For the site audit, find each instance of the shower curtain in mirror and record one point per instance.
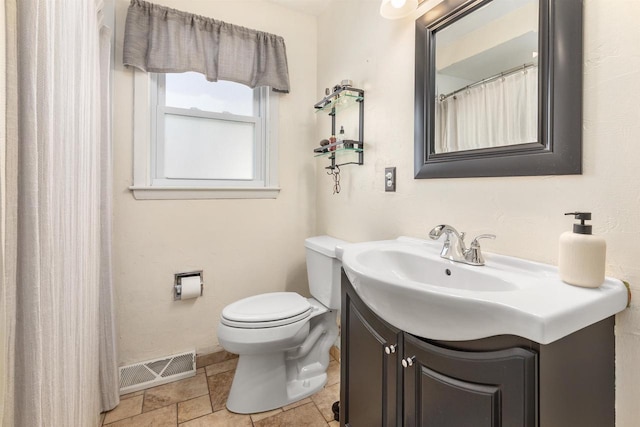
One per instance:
(499, 112)
(57, 331)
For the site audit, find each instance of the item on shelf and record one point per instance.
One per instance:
(320, 150)
(324, 142)
(332, 143)
(341, 137)
(350, 143)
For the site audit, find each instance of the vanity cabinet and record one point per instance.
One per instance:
(371, 386)
(392, 378)
(451, 388)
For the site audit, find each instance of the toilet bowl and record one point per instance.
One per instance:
(283, 339)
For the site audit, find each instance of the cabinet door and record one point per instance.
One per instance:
(451, 388)
(369, 366)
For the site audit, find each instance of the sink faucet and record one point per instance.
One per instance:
(454, 248)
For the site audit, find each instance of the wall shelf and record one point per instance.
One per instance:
(339, 151)
(339, 103)
(342, 98)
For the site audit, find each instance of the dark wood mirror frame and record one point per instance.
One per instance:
(559, 149)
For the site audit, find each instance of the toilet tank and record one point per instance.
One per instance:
(323, 269)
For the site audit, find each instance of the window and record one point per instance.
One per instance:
(205, 139)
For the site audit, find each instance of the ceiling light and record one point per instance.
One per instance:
(395, 9)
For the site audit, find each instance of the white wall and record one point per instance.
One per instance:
(243, 246)
(525, 212)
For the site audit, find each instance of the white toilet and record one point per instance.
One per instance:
(283, 338)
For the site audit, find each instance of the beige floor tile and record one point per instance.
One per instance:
(125, 409)
(221, 418)
(333, 373)
(335, 353)
(296, 404)
(302, 416)
(325, 398)
(194, 408)
(190, 402)
(227, 365)
(134, 394)
(163, 417)
(262, 415)
(178, 391)
(210, 358)
(219, 386)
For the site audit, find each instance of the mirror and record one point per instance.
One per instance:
(487, 78)
(498, 88)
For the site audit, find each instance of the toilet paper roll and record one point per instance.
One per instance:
(190, 287)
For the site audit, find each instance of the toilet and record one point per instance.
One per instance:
(283, 339)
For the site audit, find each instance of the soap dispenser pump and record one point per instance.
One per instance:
(582, 256)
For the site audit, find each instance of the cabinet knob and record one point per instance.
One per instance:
(408, 361)
(390, 349)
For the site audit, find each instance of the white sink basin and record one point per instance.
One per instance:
(407, 284)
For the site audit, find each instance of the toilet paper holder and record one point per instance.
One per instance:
(177, 284)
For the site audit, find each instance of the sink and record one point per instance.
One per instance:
(405, 282)
(403, 264)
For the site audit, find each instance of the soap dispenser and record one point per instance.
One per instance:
(582, 256)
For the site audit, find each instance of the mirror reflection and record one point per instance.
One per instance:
(487, 78)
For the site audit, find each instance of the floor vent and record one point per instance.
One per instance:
(151, 373)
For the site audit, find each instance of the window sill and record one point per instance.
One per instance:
(191, 193)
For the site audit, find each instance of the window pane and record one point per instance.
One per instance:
(192, 90)
(199, 148)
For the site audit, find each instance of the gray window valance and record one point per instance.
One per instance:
(163, 40)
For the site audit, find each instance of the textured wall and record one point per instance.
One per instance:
(243, 246)
(525, 212)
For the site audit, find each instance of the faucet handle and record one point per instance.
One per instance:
(474, 242)
(474, 256)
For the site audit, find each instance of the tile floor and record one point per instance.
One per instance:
(200, 401)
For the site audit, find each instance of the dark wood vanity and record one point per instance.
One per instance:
(392, 378)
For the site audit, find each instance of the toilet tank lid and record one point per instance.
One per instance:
(325, 245)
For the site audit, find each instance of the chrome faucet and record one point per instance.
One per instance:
(454, 248)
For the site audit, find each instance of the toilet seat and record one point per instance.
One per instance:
(266, 311)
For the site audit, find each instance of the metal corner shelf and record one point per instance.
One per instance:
(341, 98)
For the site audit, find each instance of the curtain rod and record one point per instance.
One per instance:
(489, 79)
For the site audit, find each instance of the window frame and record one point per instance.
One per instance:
(148, 184)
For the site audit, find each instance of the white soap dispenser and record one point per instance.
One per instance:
(582, 256)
